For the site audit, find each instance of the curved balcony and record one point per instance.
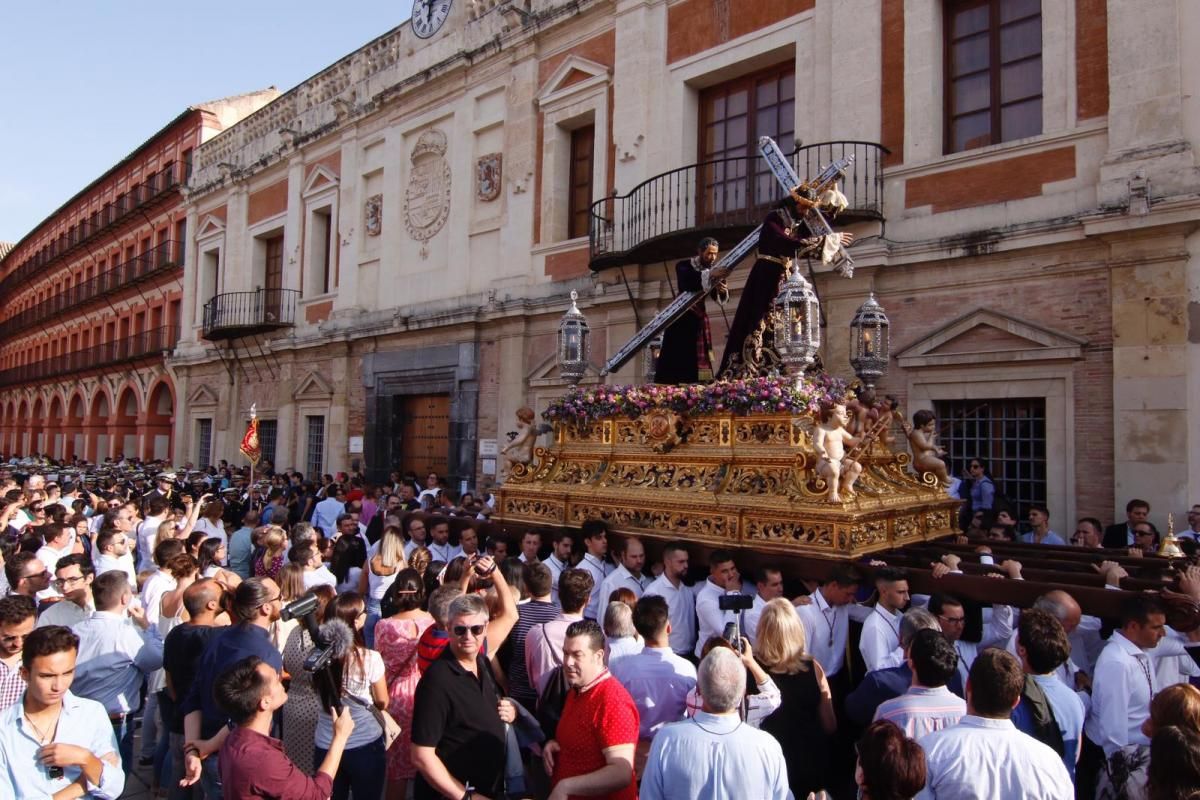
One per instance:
(236, 314)
(152, 343)
(663, 217)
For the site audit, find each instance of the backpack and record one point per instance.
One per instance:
(551, 699)
(1045, 727)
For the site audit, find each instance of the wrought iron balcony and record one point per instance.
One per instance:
(160, 260)
(662, 218)
(151, 343)
(235, 314)
(135, 202)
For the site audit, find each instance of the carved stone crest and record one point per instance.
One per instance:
(373, 212)
(488, 170)
(427, 198)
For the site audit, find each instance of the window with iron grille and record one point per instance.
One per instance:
(314, 462)
(993, 64)
(1009, 436)
(268, 429)
(203, 442)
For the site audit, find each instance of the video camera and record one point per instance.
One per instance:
(736, 602)
(305, 610)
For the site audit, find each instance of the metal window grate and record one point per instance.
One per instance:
(1009, 435)
(268, 430)
(315, 454)
(203, 442)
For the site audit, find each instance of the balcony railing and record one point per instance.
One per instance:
(157, 261)
(139, 198)
(662, 218)
(234, 314)
(147, 344)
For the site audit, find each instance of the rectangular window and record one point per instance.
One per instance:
(320, 242)
(273, 277)
(733, 115)
(1009, 436)
(993, 67)
(187, 165)
(314, 460)
(203, 442)
(180, 240)
(579, 202)
(268, 429)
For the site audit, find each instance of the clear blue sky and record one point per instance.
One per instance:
(83, 83)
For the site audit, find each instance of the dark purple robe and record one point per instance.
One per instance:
(686, 355)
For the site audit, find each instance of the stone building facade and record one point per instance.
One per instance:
(379, 259)
(92, 300)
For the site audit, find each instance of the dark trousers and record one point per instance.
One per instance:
(1087, 771)
(123, 728)
(362, 771)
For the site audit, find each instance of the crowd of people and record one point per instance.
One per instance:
(348, 640)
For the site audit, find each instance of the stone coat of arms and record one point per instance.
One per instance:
(488, 170)
(427, 198)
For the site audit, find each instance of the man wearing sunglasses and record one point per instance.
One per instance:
(26, 574)
(17, 617)
(459, 713)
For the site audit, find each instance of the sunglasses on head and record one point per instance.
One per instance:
(476, 630)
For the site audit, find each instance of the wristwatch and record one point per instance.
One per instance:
(469, 793)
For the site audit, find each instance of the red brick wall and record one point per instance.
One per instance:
(571, 264)
(994, 182)
(694, 26)
(268, 202)
(1091, 58)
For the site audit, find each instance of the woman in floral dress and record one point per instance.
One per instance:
(396, 638)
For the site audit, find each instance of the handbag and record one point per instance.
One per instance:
(387, 723)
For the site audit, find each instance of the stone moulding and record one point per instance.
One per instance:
(726, 481)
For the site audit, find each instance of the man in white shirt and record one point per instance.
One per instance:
(827, 620)
(656, 678)
(984, 756)
(439, 541)
(561, 544)
(160, 581)
(57, 540)
(880, 641)
(1124, 682)
(414, 529)
(544, 643)
(595, 542)
(73, 578)
(628, 573)
(953, 618)
(326, 512)
(723, 578)
(1192, 531)
(928, 705)
(680, 601)
(315, 571)
(112, 547)
(531, 542)
(147, 530)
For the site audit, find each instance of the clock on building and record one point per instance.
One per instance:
(428, 16)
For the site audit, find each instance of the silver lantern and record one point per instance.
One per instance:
(653, 351)
(797, 322)
(574, 343)
(870, 343)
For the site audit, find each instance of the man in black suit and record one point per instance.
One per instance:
(1121, 534)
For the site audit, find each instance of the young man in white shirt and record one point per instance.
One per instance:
(880, 641)
(827, 622)
(147, 530)
(315, 571)
(723, 578)
(681, 603)
(73, 578)
(112, 547)
(561, 544)
(628, 573)
(595, 542)
(439, 540)
(531, 542)
(984, 756)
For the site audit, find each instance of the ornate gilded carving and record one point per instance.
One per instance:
(704, 431)
(757, 480)
(762, 431)
(906, 527)
(576, 472)
(532, 508)
(677, 522)
(868, 534)
(662, 476)
(660, 430)
(791, 532)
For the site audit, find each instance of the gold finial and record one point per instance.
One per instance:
(1170, 545)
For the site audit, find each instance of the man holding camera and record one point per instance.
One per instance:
(720, 601)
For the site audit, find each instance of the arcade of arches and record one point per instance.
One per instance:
(78, 424)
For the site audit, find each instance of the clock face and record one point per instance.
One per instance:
(428, 16)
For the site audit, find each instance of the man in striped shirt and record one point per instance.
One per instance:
(928, 705)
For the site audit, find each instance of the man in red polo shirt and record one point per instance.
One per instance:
(593, 753)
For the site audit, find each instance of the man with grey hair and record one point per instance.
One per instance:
(619, 631)
(884, 684)
(458, 736)
(699, 758)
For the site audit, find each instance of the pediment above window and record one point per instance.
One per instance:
(984, 336)
(575, 76)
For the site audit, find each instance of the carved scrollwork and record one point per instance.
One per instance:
(625, 432)
(762, 432)
(758, 480)
(906, 527)
(530, 507)
(871, 532)
(777, 531)
(802, 428)
(679, 523)
(704, 431)
(576, 472)
(641, 475)
(939, 520)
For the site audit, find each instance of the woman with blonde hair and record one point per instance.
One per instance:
(420, 559)
(268, 564)
(378, 574)
(804, 722)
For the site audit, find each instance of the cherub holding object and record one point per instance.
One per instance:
(922, 437)
(520, 449)
(830, 439)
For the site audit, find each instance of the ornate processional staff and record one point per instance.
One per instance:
(813, 219)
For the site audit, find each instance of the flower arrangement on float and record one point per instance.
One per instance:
(780, 394)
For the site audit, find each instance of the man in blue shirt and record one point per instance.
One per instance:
(1043, 647)
(256, 604)
(715, 754)
(50, 740)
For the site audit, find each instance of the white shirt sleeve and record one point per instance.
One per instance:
(1110, 703)
(997, 632)
(876, 648)
(710, 616)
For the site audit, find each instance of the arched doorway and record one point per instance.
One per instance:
(37, 428)
(160, 419)
(22, 446)
(76, 443)
(56, 436)
(124, 425)
(96, 425)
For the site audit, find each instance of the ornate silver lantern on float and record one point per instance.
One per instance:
(574, 343)
(870, 343)
(653, 351)
(797, 322)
